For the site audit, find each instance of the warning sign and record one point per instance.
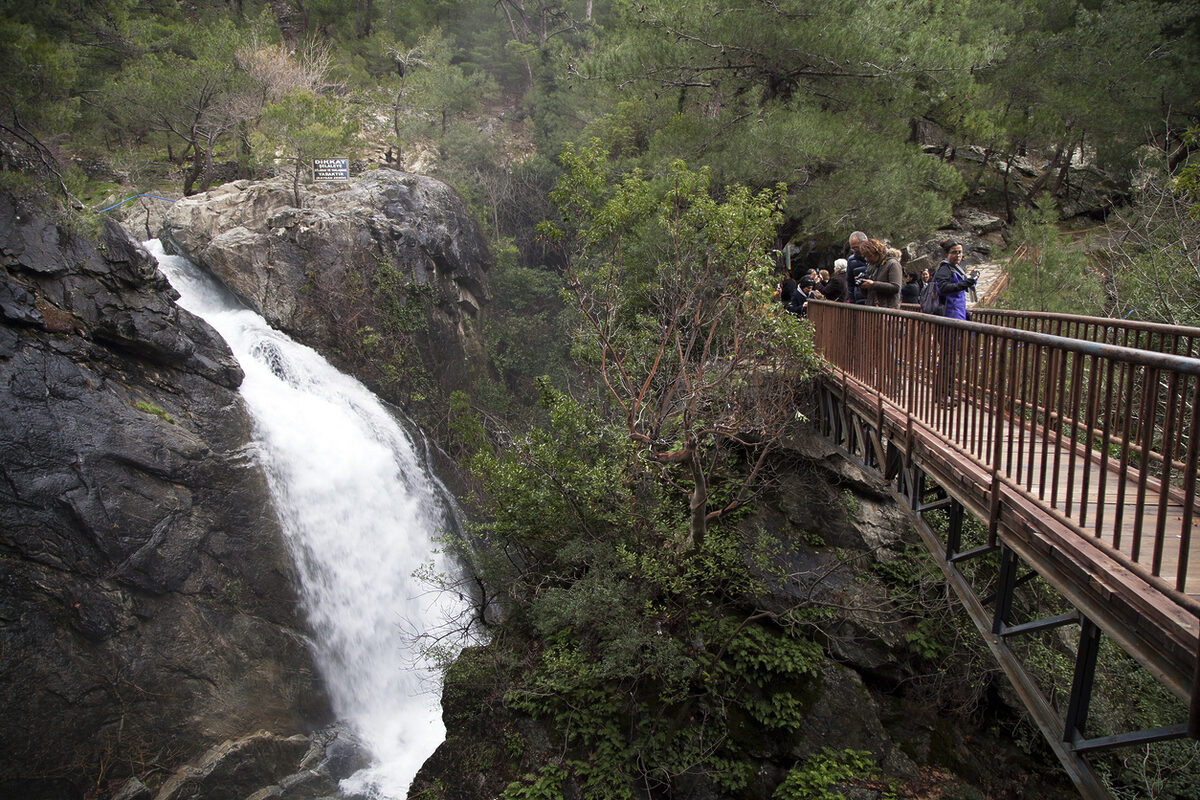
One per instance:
(331, 169)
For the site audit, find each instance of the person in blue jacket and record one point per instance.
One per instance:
(952, 285)
(951, 282)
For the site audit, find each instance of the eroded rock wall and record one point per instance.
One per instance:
(385, 275)
(147, 608)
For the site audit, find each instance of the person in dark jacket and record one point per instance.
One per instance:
(883, 277)
(792, 298)
(856, 268)
(952, 284)
(911, 291)
(835, 290)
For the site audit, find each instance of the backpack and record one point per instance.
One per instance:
(931, 300)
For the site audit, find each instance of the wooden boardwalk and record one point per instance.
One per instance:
(1080, 457)
(1082, 485)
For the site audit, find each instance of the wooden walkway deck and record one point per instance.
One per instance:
(1082, 485)
(1080, 457)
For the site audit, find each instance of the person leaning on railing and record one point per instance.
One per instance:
(883, 278)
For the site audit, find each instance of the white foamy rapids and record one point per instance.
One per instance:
(360, 512)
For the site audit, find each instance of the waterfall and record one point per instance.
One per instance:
(361, 512)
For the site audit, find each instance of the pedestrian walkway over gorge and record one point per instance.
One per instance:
(1074, 442)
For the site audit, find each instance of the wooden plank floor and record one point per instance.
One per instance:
(1050, 472)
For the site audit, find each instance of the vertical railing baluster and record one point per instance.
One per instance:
(1093, 397)
(1051, 384)
(1075, 394)
(1168, 456)
(1128, 412)
(1105, 444)
(1022, 410)
(1059, 416)
(1189, 492)
(1146, 420)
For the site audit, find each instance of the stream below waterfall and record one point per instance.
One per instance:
(361, 513)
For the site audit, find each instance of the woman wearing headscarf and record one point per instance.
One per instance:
(883, 277)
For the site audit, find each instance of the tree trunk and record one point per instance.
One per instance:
(362, 18)
(1050, 169)
(296, 180)
(698, 502)
(291, 19)
(192, 176)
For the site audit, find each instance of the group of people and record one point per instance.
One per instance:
(872, 275)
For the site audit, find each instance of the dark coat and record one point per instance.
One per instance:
(856, 268)
(835, 290)
(952, 285)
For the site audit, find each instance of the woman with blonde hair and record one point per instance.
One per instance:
(883, 277)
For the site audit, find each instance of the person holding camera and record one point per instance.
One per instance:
(883, 278)
(952, 285)
(951, 282)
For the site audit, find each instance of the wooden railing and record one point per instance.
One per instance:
(1105, 436)
(1155, 337)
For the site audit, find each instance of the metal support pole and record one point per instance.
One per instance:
(954, 528)
(1081, 686)
(1006, 584)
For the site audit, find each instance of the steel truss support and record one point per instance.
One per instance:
(860, 440)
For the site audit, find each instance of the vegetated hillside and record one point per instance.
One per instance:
(874, 117)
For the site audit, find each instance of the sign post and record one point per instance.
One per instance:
(327, 170)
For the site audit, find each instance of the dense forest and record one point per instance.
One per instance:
(635, 163)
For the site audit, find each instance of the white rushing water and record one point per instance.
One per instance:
(360, 511)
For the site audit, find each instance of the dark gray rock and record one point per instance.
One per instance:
(147, 607)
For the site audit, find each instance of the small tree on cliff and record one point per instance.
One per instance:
(303, 125)
(674, 292)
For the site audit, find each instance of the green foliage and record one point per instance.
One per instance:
(150, 408)
(676, 316)
(1048, 271)
(304, 125)
(527, 333)
(1154, 262)
(1186, 180)
(820, 775)
(627, 629)
(546, 784)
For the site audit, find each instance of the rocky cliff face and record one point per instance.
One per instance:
(385, 275)
(146, 601)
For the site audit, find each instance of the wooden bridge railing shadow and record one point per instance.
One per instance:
(1076, 441)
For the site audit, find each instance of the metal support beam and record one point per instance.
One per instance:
(954, 529)
(1081, 686)
(1005, 585)
(1147, 736)
(967, 555)
(1042, 624)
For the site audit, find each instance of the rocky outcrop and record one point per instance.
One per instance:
(147, 607)
(385, 275)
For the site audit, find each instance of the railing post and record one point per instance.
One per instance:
(1000, 412)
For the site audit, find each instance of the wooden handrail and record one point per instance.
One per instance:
(1058, 395)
